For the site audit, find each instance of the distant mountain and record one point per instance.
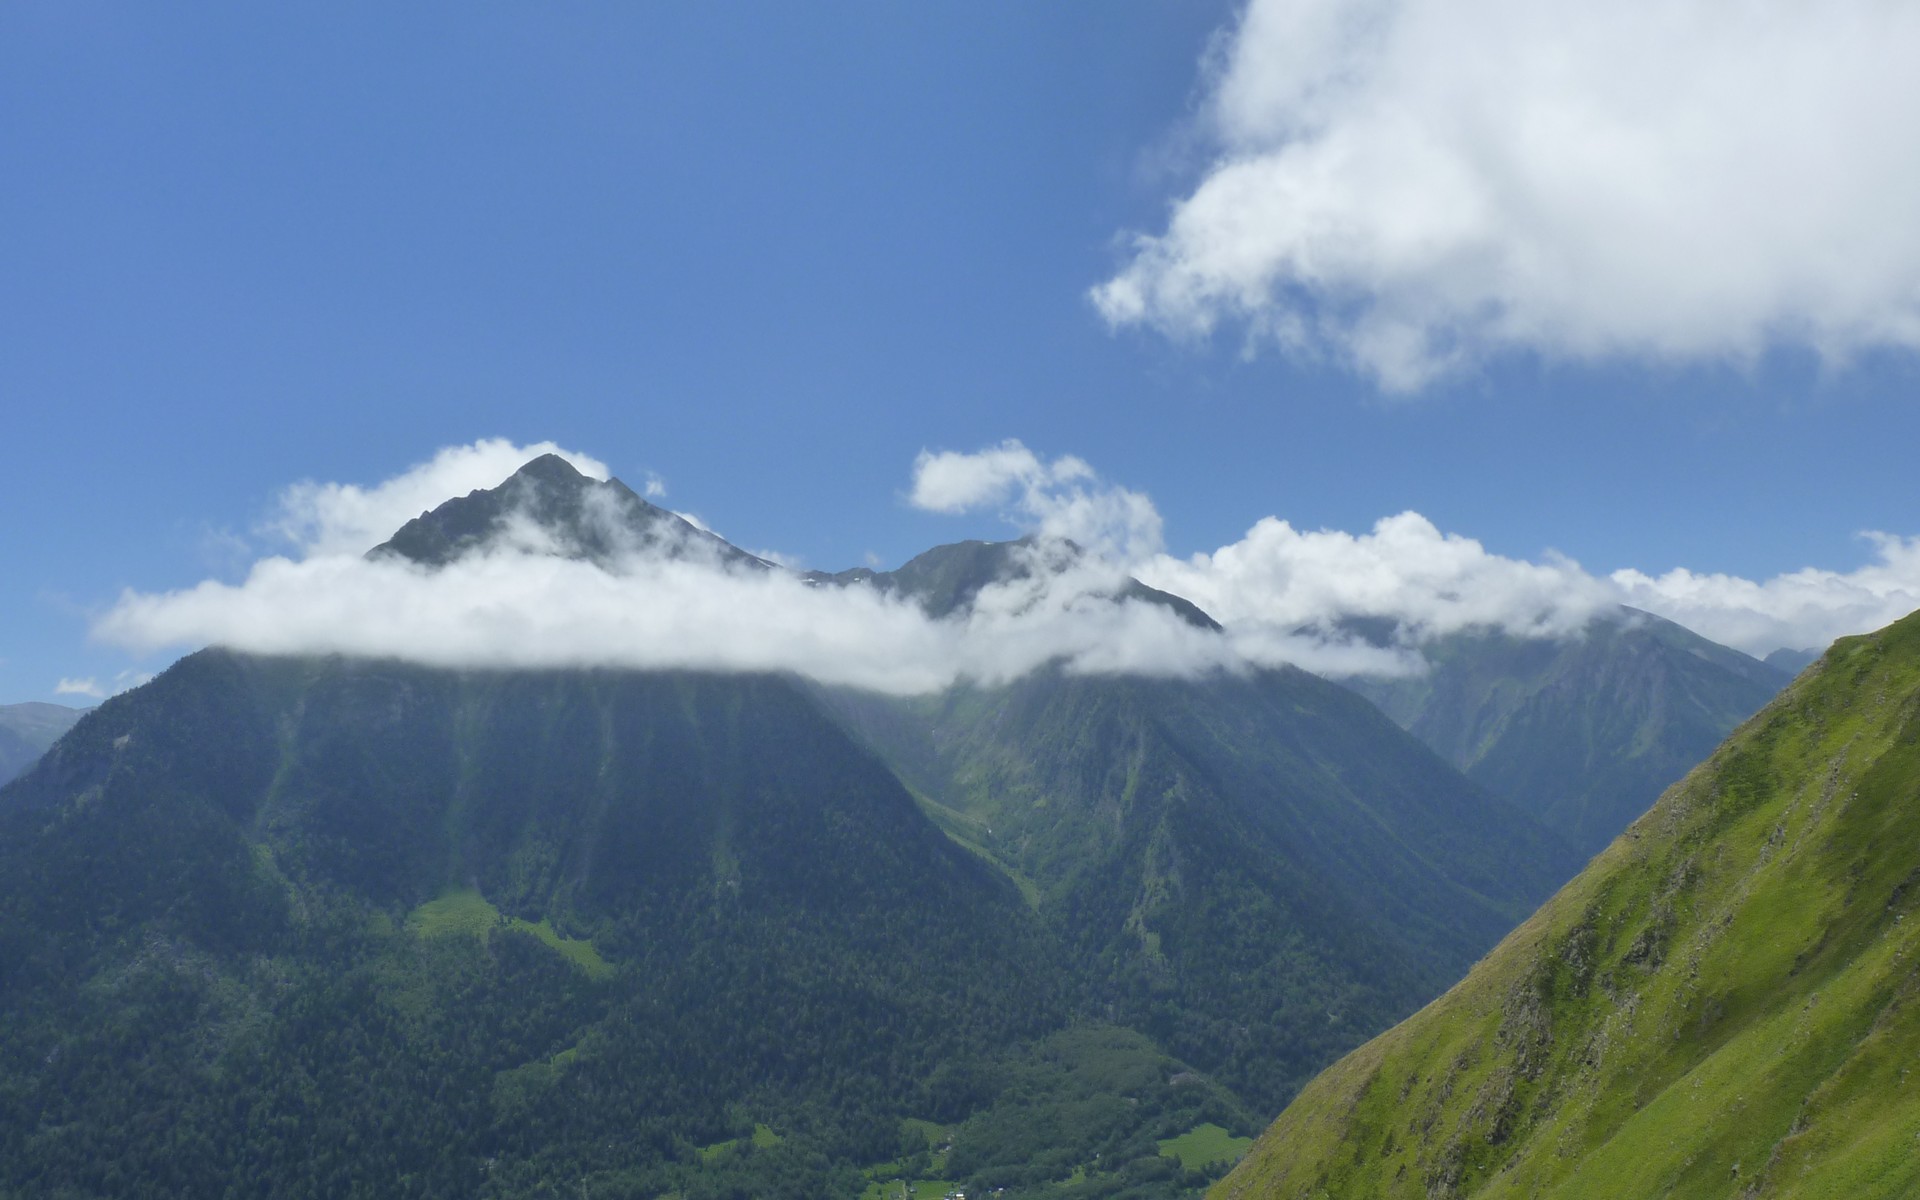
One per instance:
(1792, 662)
(26, 730)
(1583, 732)
(1722, 1004)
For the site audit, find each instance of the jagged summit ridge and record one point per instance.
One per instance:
(549, 505)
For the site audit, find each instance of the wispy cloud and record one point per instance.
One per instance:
(1285, 595)
(91, 687)
(1410, 186)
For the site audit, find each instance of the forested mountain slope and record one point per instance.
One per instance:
(310, 924)
(1257, 869)
(1722, 1004)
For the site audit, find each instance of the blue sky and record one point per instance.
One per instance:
(771, 253)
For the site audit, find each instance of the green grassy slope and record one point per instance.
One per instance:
(1585, 732)
(1722, 1004)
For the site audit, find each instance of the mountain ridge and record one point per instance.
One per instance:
(1583, 731)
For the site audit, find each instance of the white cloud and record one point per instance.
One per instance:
(519, 604)
(1064, 498)
(510, 608)
(955, 481)
(656, 487)
(1284, 595)
(1410, 186)
(1802, 609)
(1427, 584)
(344, 518)
(1406, 571)
(91, 687)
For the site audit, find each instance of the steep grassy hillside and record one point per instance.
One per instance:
(1582, 732)
(1722, 1004)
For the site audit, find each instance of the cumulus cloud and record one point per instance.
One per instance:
(1318, 599)
(953, 481)
(1405, 571)
(1411, 186)
(1065, 498)
(1423, 583)
(1301, 596)
(345, 518)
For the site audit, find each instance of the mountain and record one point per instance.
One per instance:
(321, 926)
(1583, 732)
(295, 926)
(1792, 662)
(1721, 1004)
(335, 926)
(26, 730)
